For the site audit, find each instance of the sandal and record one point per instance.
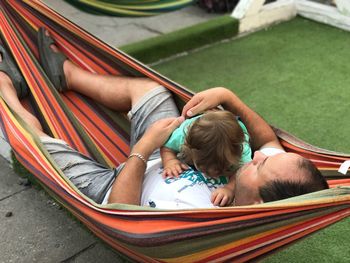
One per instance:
(51, 61)
(8, 66)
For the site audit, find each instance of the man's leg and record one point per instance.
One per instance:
(9, 94)
(119, 93)
(90, 177)
(116, 92)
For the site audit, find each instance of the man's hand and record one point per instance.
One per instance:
(157, 134)
(205, 100)
(173, 168)
(260, 132)
(222, 196)
(131, 176)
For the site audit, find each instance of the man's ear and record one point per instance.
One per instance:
(258, 201)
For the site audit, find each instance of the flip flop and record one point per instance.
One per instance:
(52, 62)
(8, 66)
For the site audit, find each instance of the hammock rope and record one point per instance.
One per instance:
(142, 233)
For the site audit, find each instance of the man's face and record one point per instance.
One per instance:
(261, 170)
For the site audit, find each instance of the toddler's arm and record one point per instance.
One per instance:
(173, 167)
(224, 196)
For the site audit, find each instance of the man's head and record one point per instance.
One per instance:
(272, 178)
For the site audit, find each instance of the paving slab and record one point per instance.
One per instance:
(10, 183)
(98, 253)
(115, 37)
(173, 21)
(119, 31)
(84, 19)
(5, 149)
(63, 7)
(38, 231)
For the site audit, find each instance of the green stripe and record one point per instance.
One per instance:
(147, 6)
(127, 8)
(209, 241)
(79, 128)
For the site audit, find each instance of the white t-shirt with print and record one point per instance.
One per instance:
(191, 190)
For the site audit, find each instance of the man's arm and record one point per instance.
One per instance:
(261, 133)
(127, 186)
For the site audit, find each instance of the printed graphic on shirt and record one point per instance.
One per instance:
(197, 178)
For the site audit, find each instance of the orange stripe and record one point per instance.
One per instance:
(114, 154)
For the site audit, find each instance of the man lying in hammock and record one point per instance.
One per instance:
(272, 175)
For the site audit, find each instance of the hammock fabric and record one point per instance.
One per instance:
(136, 8)
(141, 233)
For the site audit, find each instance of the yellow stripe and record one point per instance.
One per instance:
(222, 248)
(119, 7)
(26, 77)
(28, 135)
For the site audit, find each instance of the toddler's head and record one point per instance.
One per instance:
(214, 143)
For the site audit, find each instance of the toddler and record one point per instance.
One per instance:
(215, 143)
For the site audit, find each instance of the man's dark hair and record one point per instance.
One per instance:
(281, 189)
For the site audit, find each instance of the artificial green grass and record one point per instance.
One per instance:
(163, 46)
(328, 245)
(296, 75)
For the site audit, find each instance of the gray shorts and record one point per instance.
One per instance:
(94, 179)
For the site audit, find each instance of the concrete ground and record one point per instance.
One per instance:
(119, 31)
(33, 227)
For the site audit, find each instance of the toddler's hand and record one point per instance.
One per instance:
(222, 196)
(174, 168)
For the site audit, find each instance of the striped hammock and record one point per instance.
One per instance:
(135, 8)
(141, 233)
